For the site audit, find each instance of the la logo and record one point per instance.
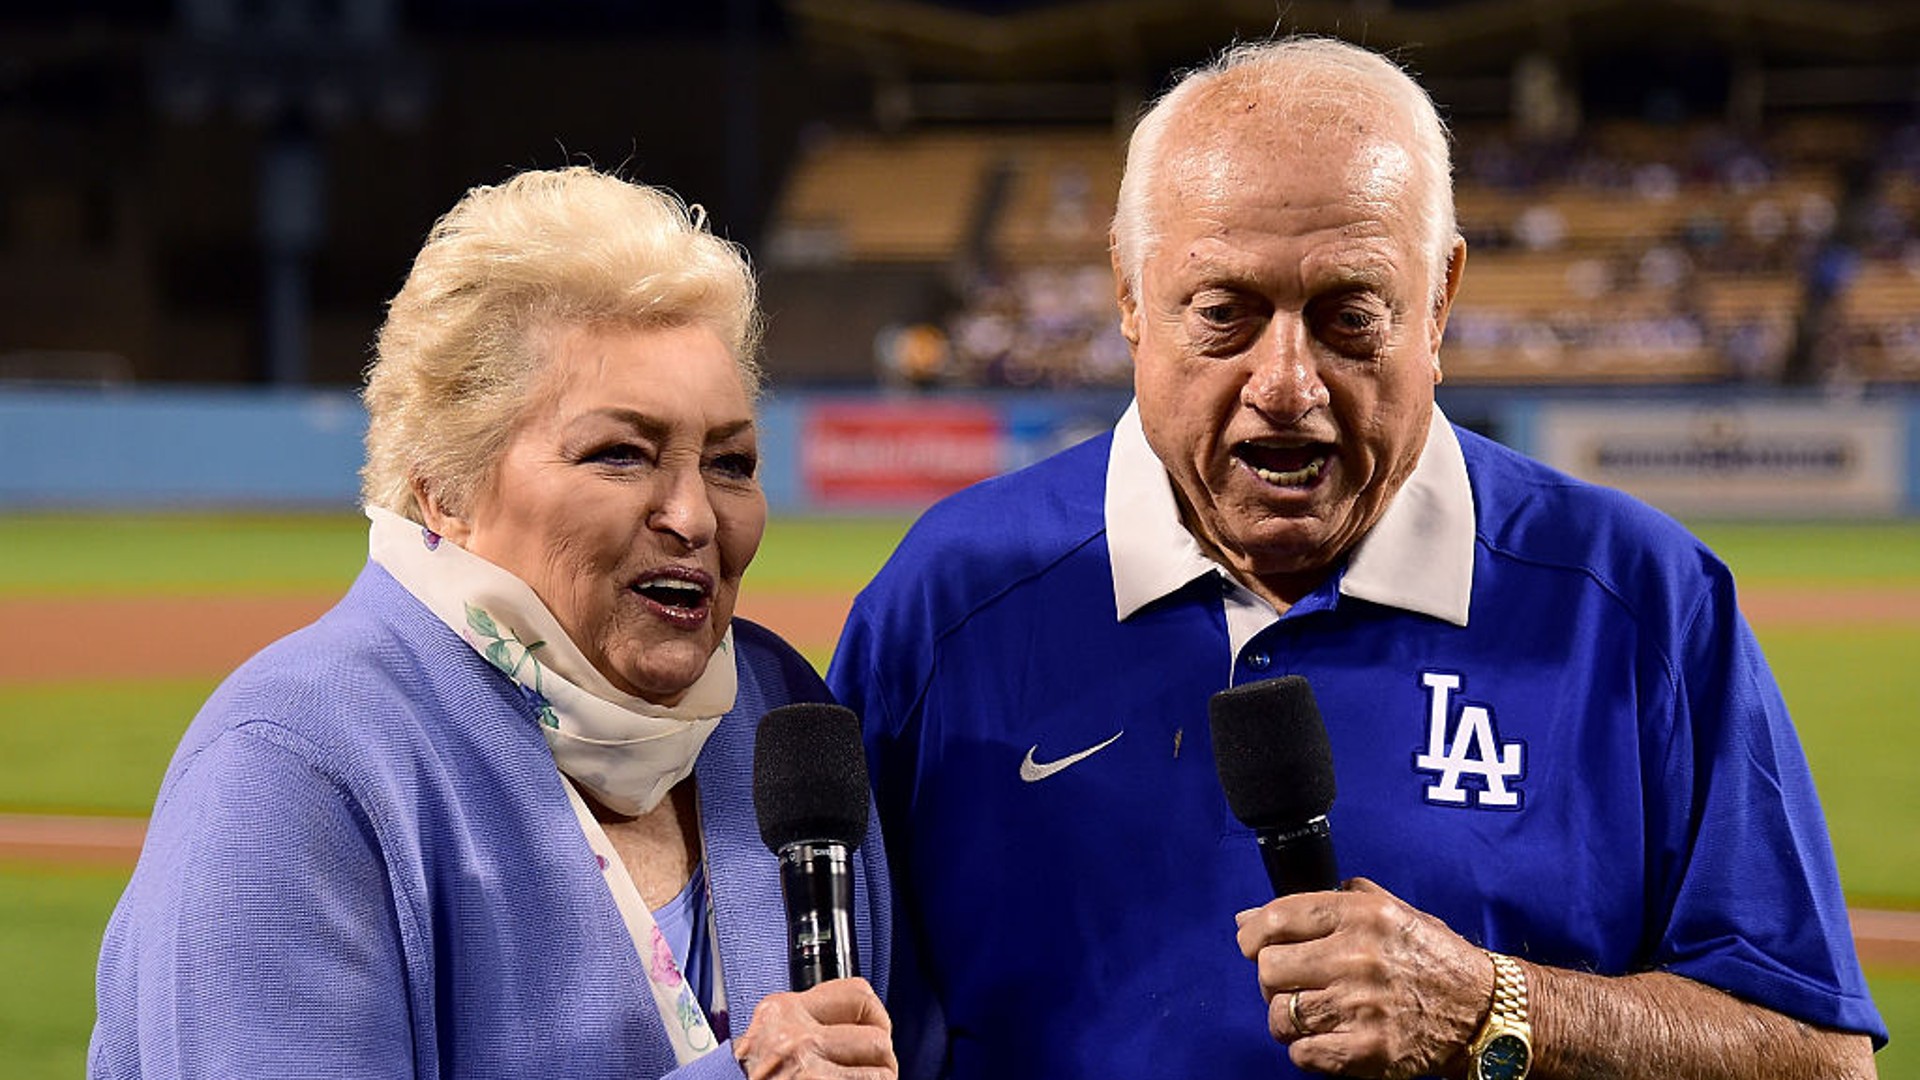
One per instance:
(1466, 748)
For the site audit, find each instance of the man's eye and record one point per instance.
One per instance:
(1351, 324)
(1356, 320)
(1218, 314)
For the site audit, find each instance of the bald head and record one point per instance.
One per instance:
(1261, 106)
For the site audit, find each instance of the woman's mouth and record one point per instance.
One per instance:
(1286, 466)
(682, 597)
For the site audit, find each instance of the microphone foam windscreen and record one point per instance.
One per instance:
(1271, 750)
(810, 776)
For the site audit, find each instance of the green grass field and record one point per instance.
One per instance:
(99, 747)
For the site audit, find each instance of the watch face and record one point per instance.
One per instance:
(1504, 1058)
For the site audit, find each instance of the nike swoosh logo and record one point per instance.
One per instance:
(1031, 770)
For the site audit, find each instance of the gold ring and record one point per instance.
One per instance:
(1293, 1013)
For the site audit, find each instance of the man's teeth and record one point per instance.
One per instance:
(1305, 474)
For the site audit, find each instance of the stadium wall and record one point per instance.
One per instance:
(1694, 453)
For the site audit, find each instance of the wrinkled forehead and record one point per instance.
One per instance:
(1237, 132)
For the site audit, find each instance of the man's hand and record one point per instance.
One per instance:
(837, 1029)
(1377, 988)
(1383, 990)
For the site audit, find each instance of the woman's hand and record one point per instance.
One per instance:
(837, 1029)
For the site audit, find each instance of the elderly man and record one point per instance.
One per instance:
(1586, 839)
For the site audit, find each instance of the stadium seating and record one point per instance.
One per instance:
(1635, 253)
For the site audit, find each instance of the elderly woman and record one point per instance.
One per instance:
(492, 814)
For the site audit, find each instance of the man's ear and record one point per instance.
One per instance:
(435, 514)
(1129, 303)
(1443, 300)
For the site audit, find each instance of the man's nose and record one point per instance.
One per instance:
(683, 509)
(1284, 381)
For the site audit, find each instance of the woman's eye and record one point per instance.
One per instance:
(617, 454)
(736, 466)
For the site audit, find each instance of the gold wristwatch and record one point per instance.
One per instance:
(1503, 1050)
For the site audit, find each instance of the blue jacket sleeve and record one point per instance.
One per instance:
(919, 1029)
(259, 936)
(1753, 828)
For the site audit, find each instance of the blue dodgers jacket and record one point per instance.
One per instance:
(1595, 772)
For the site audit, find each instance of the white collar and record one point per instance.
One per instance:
(1417, 557)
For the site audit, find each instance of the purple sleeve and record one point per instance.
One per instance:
(259, 935)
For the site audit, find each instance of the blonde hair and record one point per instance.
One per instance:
(1334, 76)
(464, 339)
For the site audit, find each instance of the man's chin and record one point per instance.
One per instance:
(1261, 535)
(1288, 547)
(1284, 541)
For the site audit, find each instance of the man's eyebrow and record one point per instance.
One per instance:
(1381, 284)
(1371, 270)
(1365, 267)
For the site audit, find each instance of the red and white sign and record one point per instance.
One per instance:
(897, 453)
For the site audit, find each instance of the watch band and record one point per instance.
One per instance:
(1503, 1048)
(1509, 989)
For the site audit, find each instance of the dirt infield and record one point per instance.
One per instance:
(161, 637)
(172, 637)
(205, 637)
(1807, 606)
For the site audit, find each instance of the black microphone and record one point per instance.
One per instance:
(810, 793)
(1276, 765)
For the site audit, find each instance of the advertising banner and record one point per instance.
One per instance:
(1774, 460)
(894, 454)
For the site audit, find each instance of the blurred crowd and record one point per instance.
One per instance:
(1793, 256)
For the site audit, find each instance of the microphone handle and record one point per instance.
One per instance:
(816, 879)
(1300, 859)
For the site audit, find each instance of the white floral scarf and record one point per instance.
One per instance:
(626, 751)
(623, 749)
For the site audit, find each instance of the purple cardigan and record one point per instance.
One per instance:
(362, 863)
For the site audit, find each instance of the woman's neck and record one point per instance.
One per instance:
(659, 848)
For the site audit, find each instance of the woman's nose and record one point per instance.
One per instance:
(683, 509)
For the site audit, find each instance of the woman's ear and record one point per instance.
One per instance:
(435, 515)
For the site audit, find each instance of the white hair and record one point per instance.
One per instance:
(1325, 71)
(466, 337)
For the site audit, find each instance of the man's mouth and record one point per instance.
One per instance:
(1285, 466)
